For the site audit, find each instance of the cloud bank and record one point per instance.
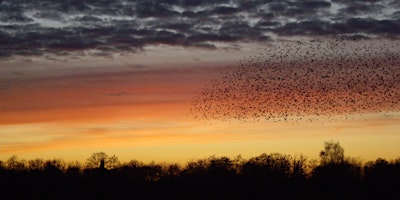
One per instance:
(103, 27)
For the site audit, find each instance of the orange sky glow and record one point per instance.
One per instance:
(137, 107)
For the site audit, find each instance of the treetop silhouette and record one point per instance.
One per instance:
(263, 176)
(333, 153)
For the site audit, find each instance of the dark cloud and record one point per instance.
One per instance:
(305, 28)
(224, 10)
(357, 8)
(368, 25)
(167, 37)
(178, 26)
(88, 19)
(239, 28)
(193, 3)
(67, 26)
(313, 5)
(396, 16)
(153, 9)
(12, 13)
(355, 1)
(212, 37)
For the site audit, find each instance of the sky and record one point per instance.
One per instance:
(181, 80)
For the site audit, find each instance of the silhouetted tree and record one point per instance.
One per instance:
(273, 167)
(152, 171)
(36, 164)
(102, 161)
(97, 160)
(113, 162)
(222, 166)
(196, 168)
(55, 165)
(333, 153)
(298, 168)
(131, 173)
(238, 162)
(2, 167)
(172, 170)
(14, 164)
(381, 178)
(336, 175)
(380, 171)
(74, 168)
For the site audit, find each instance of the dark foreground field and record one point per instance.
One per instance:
(267, 176)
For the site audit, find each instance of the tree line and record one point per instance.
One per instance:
(333, 176)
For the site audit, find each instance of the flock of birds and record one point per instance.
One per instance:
(306, 80)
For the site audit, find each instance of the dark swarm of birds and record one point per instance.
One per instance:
(308, 80)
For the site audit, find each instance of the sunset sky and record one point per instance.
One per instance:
(122, 77)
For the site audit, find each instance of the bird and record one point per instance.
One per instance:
(330, 78)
